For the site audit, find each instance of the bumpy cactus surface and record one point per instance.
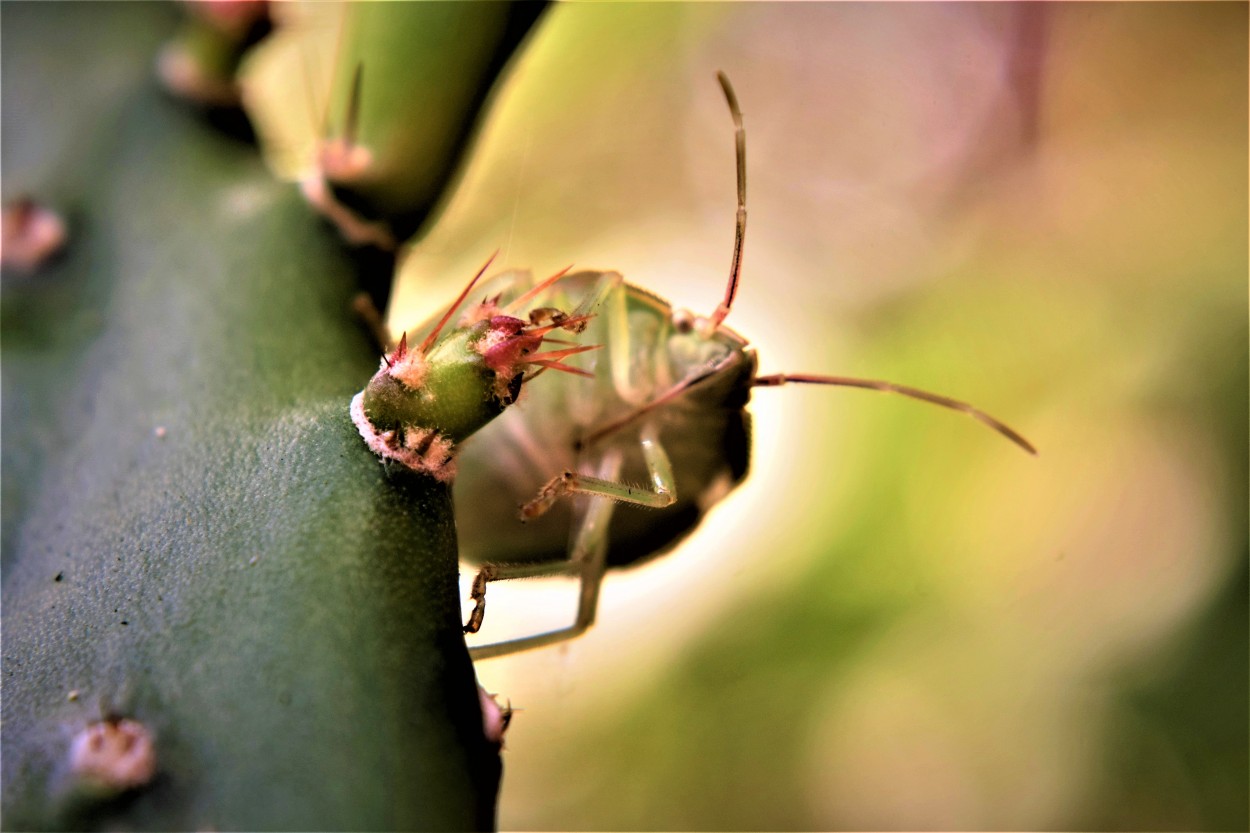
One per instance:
(220, 611)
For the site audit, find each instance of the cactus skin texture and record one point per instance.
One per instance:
(195, 537)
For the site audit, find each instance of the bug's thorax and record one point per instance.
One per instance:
(652, 347)
(685, 384)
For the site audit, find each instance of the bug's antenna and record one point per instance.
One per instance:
(433, 336)
(740, 221)
(890, 387)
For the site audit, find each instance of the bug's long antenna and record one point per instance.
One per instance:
(890, 387)
(433, 336)
(740, 221)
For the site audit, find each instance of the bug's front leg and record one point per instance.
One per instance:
(663, 491)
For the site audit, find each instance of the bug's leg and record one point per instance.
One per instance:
(588, 561)
(506, 572)
(588, 548)
(663, 491)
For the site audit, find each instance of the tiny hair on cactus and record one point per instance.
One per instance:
(425, 400)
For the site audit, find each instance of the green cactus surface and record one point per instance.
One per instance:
(195, 537)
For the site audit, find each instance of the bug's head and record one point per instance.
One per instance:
(424, 400)
(697, 344)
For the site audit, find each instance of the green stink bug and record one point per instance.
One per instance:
(665, 406)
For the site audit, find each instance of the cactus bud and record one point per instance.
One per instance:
(424, 401)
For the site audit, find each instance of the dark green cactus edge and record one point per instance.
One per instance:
(195, 537)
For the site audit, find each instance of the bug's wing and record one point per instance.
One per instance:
(508, 284)
(589, 287)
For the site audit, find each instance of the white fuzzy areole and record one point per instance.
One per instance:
(438, 460)
(410, 370)
(114, 754)
(480, 312)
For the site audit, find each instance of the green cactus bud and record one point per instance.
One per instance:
(424, 401)
(112, 756)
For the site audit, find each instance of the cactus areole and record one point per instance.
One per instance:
(424, 401)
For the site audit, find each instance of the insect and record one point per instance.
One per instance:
(660, 425)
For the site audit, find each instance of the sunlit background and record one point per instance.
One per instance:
(900, 620)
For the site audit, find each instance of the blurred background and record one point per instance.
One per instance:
(899, 620)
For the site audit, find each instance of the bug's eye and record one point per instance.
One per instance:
(683, 321)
